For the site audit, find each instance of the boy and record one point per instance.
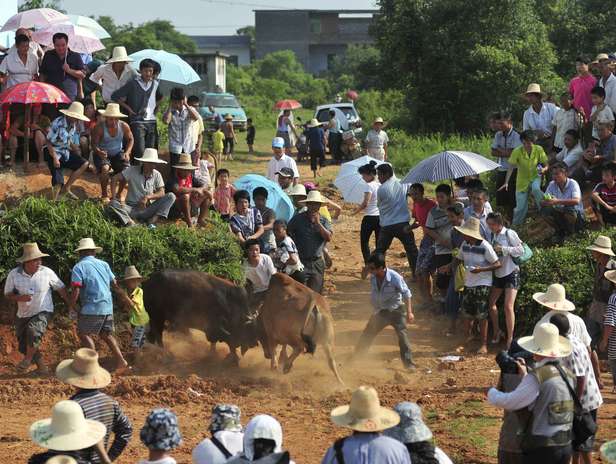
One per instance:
(197, 128)
(604, 194)
(601, 113)
(179, 118)
(138, 317)
(421, 208)
(218, 140)
(268, 241)
(250, 136)
(565, 119)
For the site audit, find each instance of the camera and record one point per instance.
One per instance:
(506, 360)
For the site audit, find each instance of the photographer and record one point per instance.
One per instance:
(546, 437)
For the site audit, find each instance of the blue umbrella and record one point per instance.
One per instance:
(276, 198)
(173, 68)
(449, 165)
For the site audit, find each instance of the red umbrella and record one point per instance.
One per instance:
(352, 95)
(29, 93)
(287, 105)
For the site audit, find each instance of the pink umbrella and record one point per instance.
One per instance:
(80, 39)
(352, 95)
(38, 17)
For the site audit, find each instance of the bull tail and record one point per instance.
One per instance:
(313, 320)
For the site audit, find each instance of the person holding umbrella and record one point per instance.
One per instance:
(284, 128)
(62, 67)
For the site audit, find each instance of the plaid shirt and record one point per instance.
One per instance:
(61, 134)
(100, 407)
(180, 138)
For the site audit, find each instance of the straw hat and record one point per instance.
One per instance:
(365, 413)
(610, 275)
(378, 120)
(61, 459)
(602, 56)
(228, 117)
(185, 163)
(67, 429)
(119, 55)
(297, 191)
(545, 341)
(602, 244)
(112, 110)
(554, 298)
(83, 371)
(533, 88)
(131, 272)
(30, 252)
(87, 244)
(314, 123)
(150, 155)
(314, 196)
(471, 228)
(75, 111)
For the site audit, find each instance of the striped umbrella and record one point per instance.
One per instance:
(449, 165)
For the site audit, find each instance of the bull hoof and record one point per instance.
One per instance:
(232, 360)
(286, 369)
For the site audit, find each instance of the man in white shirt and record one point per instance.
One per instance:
(259, 269)
(34, 46)
(572, 152)
(280, 160)
(226, 436)
(20, 65)
(539, 116)
(113, 74)
(377, 140)
(607, 80)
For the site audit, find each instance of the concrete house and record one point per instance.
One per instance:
(236, 47)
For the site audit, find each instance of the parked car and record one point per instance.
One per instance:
(223, 104)
(348, 109)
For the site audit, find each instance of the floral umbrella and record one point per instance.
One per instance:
(80, 39)
(37, 17)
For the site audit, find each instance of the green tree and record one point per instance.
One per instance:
(359, 68)
(250, 32)
(32, 4)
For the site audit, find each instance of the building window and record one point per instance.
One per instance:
(315, 25)
(233, 59)
(331, 58)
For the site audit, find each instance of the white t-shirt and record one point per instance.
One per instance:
(207, 453)
(275, 165)
(376, 140)
(371, 208)
(481, 255)
(570, 156)
(563, 121)
(511, 246)
(165, 460)
(577, 327)
(261, 274)
(39, 286)
(603, 115)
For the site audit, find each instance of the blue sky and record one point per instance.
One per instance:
(198, 17)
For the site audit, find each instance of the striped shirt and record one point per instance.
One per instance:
(100, 407)
(606, 193)
(610, 320)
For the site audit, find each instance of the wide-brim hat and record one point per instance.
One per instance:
(150, 155)
(602, 244)
(30, 252)
(471, 228)
(119, 55)
(365, 413)
(298, 191)
(411, 428)
(67, 429)
(554, 298)
(131, 272)
(83, 371)
(545, 341)
(87, 244)
(112, 110)
(75, 110)
(228, 117)
(610, 275)
(378, 120)
(533, 88)
(314, 123)
(185, 163)
(314, 196)
(602, 56)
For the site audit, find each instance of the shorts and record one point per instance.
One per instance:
(425, 256)
(30, 330)
(138, 338)
(117, 163)
(509, 281)
(588, 444)
(475, 303)
(95, 325)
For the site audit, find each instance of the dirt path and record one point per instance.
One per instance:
(452, 395)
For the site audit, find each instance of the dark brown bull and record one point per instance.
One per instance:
(294, 315)
(196, 300)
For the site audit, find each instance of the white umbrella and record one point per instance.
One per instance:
(350, 182)
(173, 67)
(80, 39)
(89, 23)
(449, 165)
(37, 17)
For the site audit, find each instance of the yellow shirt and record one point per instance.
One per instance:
(218, 139)
(138, 314)
(527, 165)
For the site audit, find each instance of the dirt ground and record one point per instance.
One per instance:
(451, 394)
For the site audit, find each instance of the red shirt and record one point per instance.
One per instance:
(421, 210)
(580, 88)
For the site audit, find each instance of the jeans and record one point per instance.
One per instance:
(521, 201)
(402, 232)
(314, 270)
(145, 135)
(549, 454)
(395, 318)
(369, 225)
(159, 207)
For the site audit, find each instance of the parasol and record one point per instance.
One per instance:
(287, 105)
(449, 165)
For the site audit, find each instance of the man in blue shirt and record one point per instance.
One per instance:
(394, 215)
(316, 143)
(92, 281)
(391, 300)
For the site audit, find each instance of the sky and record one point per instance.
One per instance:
(198, 17)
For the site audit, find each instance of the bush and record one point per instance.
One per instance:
(389, 104)
(58, 227)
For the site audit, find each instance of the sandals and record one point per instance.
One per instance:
(499, 337)
(23, 366)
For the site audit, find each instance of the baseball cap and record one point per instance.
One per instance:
(278, 142)
(286, 172)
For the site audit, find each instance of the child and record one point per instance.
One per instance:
(604, 194)
(268, 241)
(139, 317)
(286, 255)
(250, 136)
(202, 173)
(218, 140)
(223, 194)
(601, 113)
(565, 119)
(246, 223)
(421, 208)
(160, 434)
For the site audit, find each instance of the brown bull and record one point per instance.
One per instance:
(294, 315)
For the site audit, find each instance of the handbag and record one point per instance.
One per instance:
(526, 256)
(459, 276)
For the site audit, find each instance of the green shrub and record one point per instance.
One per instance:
(58, 227)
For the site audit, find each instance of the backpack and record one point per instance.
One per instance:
(526, 255)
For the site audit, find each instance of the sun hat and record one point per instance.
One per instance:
(131, 272)
(225, 417)
(286, 172)
(112, 110)
(314, 196)
(61, 459)
(297, 191)
(602, 56)
(602, 244)
(75, 110)
(67, 429)
(411, 428)
(554, 298)
(30, 252)
(150, 155)
(161, 431)
(533, 88)
(228, 117)
(185, 163)
(365, 413)
(314, 123)
(119, 55)
(378, 120)
(545, 341)
(278, 142)
(610, 275)
(87, 244)
(83, 371)
(471, 227)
